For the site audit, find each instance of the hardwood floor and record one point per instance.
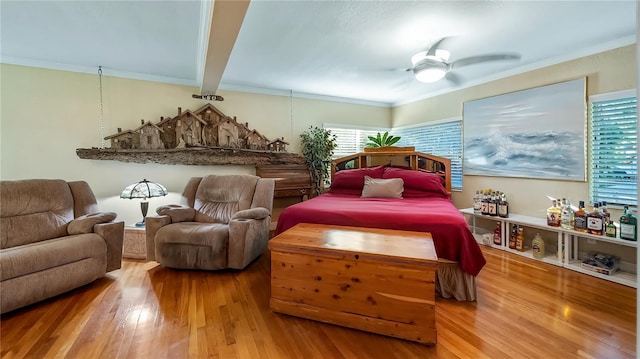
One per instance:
(525, 309)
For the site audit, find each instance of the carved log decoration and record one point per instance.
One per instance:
(205, 136)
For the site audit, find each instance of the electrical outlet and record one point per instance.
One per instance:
(591, 241)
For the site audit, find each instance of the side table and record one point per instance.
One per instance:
(135, 243)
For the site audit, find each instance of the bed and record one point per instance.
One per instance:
(404, 190)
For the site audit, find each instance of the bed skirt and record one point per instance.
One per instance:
(452, 282)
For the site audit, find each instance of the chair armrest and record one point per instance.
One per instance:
(251, 213)
(85, 224)
(247, 240)
(113, 235)
(177, 213)
(154, 223)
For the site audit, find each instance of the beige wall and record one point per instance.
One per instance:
(45, 115)
(606, 72)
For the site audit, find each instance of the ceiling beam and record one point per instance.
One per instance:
(226, 19)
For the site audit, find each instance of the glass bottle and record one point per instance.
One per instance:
(628, 225)
(493, 205)
(503, 206)
(513, 236)
(580, 219)
(595, 220)
(520, 240)
(553, 215)
(484, 204)
(566, 220)
(497, 235)
(605, 212)
(477, 202)
(611, 230)
(537, 246)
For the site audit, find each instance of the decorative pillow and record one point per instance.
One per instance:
(382, 188)
(84, 224)
(177, 213)
(417, 180)
(354, 179)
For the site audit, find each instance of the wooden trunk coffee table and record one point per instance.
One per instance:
(376, 280)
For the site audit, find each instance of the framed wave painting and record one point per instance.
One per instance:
(534, 133)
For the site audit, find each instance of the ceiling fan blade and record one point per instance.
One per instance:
(483, 58)
(434, 47)
(453, 78)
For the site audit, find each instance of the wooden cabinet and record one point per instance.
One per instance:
(564, 250)
(291, 180)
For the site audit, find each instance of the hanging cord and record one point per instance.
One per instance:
(291, 113)
(101, 107)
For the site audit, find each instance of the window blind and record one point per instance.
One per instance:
(613, 151)
(351, 140)
(442, 139)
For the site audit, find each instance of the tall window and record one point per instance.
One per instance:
(613, 151)
(443, 138)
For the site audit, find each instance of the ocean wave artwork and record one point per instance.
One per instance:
(533, 133)
(547, 154)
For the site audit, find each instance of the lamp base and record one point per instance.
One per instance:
(141, 224)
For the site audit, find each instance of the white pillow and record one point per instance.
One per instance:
(383, 188)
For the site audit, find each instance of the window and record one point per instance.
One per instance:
(442, 138)
(351, 139)
(613, 151)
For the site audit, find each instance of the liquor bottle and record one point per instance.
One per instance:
(595, 220)
(605, 212)
(611, 230)
(520, 240)
(628, 225)
(497, 235)
(513, 236)
(503, 206)
(493, 205)
(553, 215)
(537, 246)
(566, 220)
(477, 203)
(484, 208)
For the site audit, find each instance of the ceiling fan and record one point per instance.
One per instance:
(431, 65)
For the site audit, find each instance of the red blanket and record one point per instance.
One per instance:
(448, 227)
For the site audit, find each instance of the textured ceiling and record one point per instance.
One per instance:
(355, 50)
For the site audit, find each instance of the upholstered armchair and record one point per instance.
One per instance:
(224, 224)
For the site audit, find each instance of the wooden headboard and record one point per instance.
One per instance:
(396, 157)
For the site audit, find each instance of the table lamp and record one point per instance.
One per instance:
(143, 189)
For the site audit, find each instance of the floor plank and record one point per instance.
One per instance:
(525, 309)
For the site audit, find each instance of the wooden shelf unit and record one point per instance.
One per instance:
(567, 239)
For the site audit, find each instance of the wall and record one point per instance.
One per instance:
(45, 115)
(606, 72)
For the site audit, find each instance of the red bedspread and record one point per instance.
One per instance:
(448, 227)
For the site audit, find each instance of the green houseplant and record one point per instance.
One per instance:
(318, 145)
(382, 140)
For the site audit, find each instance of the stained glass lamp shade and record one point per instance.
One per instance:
(143, 189)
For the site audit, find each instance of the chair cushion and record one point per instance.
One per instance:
(192, 245)
(219, 197)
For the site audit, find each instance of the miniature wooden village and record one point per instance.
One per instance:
(205, 127)
(202, 137)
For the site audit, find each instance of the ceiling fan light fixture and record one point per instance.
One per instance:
(430, 75)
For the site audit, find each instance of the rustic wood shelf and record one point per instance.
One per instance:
(193, 156)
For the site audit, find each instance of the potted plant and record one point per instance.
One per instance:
(318, 145)
(383, 142)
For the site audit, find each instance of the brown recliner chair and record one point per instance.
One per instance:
(225, 224)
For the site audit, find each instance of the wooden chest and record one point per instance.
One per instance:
(291, 180)
(376, 280)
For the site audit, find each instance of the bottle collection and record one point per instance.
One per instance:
(597, 221)
(491, 203)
